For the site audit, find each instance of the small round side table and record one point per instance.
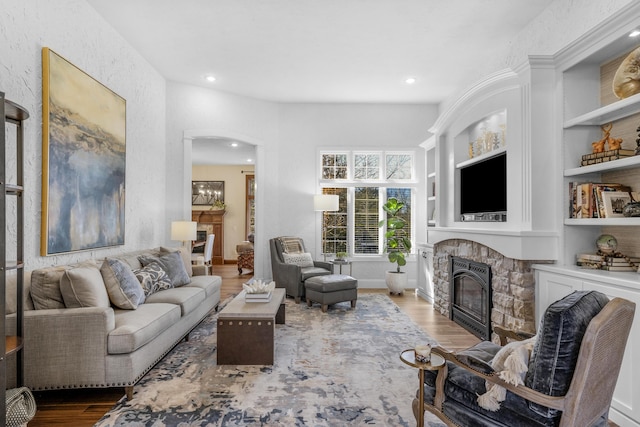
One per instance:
(437, 362)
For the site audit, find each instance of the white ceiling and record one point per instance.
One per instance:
(321, 50)
(318, 50)
(219, 151)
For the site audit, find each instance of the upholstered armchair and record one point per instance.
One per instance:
(291, 265)
(569, 379)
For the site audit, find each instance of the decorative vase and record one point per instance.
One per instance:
(396, 282)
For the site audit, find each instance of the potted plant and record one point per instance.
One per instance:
(341, 256)
(397, 245)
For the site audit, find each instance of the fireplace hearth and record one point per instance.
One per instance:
(471, 296)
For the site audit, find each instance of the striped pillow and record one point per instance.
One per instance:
(291, 245)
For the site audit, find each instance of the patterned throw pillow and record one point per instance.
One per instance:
(302, 260)
(152, 278)
(123, 286)
(172, 264)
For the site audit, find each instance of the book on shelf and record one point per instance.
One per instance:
(609, 153)
(594, 265)
(619, 268)
(590, 257)
(586, 200)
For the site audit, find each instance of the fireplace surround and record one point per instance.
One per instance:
(512, 283)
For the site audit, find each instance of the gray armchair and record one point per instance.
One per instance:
(291, 276)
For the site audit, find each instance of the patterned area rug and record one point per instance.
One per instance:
(340, 368)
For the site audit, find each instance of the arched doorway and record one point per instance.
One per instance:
(218, 137)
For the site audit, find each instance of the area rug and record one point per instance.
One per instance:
(340, 368)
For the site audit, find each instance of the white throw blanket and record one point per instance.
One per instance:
(512, 362)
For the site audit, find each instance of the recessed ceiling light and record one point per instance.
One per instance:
(634, 33)
(210, 78)
(410, 80)
(234, 144)
(249, 160)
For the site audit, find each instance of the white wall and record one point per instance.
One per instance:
(307, 128)
(200, 111)
(75, 31)
(290, 136)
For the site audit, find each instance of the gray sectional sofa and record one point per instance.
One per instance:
(73, 338)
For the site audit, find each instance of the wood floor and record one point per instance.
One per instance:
(79, 408)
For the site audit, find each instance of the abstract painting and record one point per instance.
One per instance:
(83, 160)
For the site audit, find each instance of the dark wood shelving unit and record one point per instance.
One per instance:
(15, 115)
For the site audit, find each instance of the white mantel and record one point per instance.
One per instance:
(523, 245)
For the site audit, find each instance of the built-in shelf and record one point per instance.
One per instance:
(620, 164)
(482, 157)
(603, 221)
(608, 113)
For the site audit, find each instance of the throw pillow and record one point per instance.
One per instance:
(152, 278)
(123, 286)
(291, 245)
(45, 287)
(172, 264)
(184, 254)
(302, 260)
(82, 286)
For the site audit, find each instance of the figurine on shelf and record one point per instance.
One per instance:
(612, 143)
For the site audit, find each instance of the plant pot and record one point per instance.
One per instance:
(396, 282)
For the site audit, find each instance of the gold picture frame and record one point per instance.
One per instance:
(83, 160)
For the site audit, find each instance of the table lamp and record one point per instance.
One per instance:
(184, 231)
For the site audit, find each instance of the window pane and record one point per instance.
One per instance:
(403, 195)
(334, 224)
(399, 166)
(366, 204)
(367, 166)
(334, 166)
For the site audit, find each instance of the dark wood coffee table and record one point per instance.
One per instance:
(246, 330)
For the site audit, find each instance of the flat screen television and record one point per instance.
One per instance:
(483, 188)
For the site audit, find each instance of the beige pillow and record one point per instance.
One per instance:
(83, 286)
(45, 287)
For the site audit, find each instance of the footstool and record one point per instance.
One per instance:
(331, 289)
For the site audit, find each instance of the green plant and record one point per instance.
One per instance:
(218, 204)
(341, 255)
(397, 243)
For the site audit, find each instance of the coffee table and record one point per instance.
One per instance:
(246, 330)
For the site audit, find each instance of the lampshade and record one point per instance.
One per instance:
(326, 202)
(184, 230)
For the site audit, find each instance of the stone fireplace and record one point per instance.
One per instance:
(512, 283)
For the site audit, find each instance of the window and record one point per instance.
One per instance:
(366, 166)
(354, 227)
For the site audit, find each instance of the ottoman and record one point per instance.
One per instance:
(331, 289)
